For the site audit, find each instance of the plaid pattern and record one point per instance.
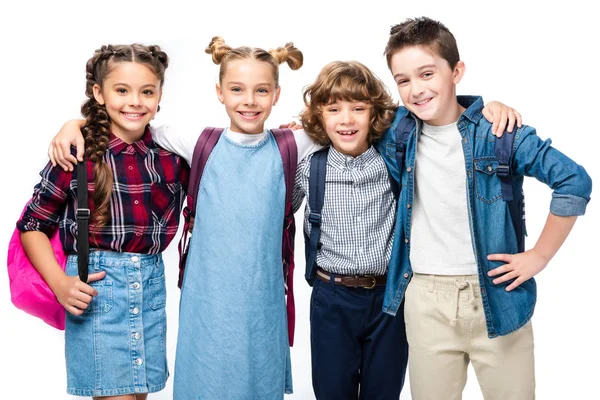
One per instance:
(148, 191)
(357, 221)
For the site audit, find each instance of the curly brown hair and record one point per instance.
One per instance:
(222, 54)
(96, 130)
(349, 81)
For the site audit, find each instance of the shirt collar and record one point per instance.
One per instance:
(142, 146)
(343, 161)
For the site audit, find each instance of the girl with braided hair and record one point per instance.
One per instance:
(116, 322)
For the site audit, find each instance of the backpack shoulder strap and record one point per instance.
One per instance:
(316, 198)
(503, 148)
(403, 131)
(289, 155)
(204, 146)
(83, 216)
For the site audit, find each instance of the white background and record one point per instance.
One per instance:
(538, 59)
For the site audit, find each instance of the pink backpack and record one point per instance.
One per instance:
(28, 290)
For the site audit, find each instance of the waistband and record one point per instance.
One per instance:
(353, 281)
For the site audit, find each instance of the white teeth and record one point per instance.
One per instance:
(133, 115)
(346, 132)
(420, 103)
(249, 114)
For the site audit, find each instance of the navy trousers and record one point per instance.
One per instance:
(358, 352)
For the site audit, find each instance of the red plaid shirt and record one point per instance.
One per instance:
(145, 205)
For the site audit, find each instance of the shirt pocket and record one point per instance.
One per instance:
(165, 200)
(487, 183)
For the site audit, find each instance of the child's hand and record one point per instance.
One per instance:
(499, 115)
(292, 125)
(74, 295)
(520, 267)
(59, 151)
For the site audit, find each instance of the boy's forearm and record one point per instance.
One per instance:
(553, 235)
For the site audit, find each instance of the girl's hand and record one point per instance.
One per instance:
(59, 151)
(519, 267)
(74, 295)
(499, 115)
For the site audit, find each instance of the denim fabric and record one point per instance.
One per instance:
(118, 345)
(233, 341)
(491, 226)
(355, 347)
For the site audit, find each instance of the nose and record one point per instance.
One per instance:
(135, 100)
(249, 98)
(416, 89)
(347, 116)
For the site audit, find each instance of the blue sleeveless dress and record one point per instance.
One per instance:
(232, 340)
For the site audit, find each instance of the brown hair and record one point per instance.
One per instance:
(424, 32)
(96, 130)
(350, 81)
(222, 54)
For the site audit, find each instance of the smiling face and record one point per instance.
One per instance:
(249, 91)
(347, 124)
(131, 93)
(427, 84)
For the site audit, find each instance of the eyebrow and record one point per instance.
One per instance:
(244, 84)
(418, 69)
(128, 85)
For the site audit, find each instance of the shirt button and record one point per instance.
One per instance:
(408, 205)
(136, 202)
(138, 234)
(136, 335)
(361, 250)
(358, 219)
(139, 361)
(465, 140)
(135, 259)
(130, 168)
(406, 240)
(136, 285)
(406, 274)
(489, 168)
(409, 169)
(135, 311)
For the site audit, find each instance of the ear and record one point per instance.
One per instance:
(459, 72)
(220, 93)
(98, 94)
(276, 97)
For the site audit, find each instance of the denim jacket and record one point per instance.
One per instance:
(489, 218)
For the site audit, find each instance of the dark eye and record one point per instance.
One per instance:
(236, 89)
(427, 74)
(402, 82)
(148, 92)
(121, 90)
(359, 109)
(262, 90)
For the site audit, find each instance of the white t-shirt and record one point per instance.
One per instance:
(440, 233)
(183, 143)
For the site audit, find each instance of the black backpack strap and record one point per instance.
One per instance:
(316, 198)
(512, 189)
(503, 149)
(83, 217)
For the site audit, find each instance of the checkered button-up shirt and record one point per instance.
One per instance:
(145, 204)
(357, 220)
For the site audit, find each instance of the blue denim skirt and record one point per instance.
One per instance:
(118, 345)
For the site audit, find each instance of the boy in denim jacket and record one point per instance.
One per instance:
(469, 294)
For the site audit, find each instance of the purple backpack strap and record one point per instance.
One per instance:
(204, 146)
(289, 155)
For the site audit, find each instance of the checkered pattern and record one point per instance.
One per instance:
(358, 214)
(146, 199)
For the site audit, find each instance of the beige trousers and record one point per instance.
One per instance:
(446, 329)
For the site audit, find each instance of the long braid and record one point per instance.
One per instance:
(96, 130)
